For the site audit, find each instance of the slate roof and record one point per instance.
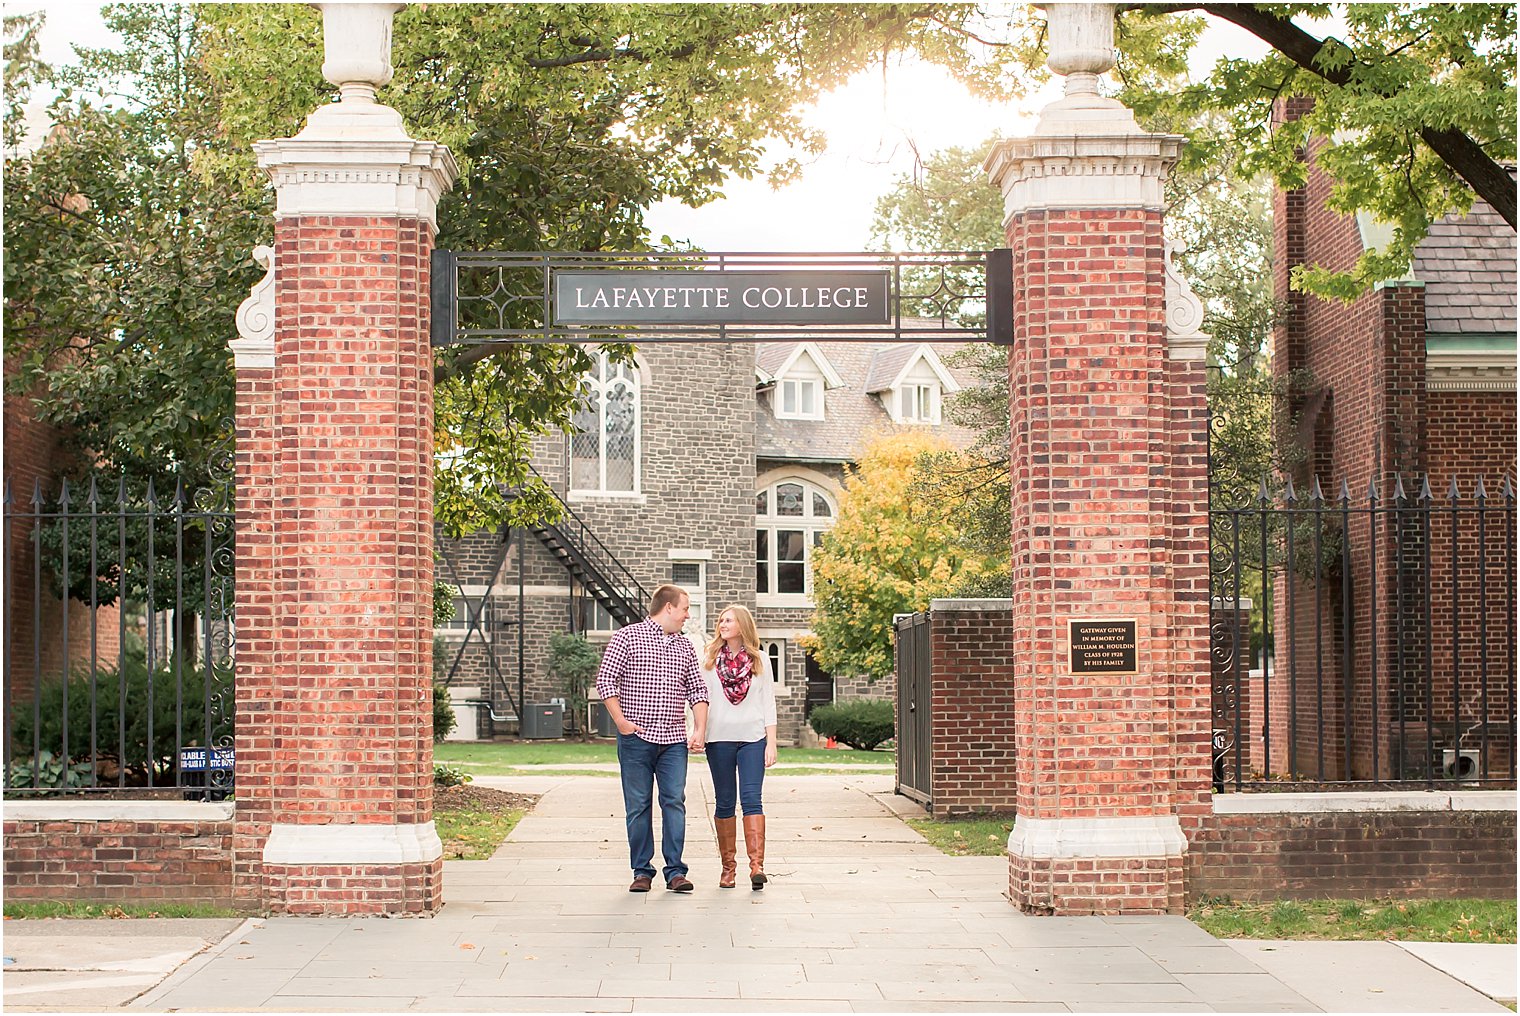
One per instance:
(886, 364)
(1468, 266)
(852, 416)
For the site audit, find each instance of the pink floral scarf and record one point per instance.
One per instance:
(734, 672)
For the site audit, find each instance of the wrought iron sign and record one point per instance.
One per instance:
(489, 298)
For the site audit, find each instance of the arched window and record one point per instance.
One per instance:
(791, 516)
(604, 450)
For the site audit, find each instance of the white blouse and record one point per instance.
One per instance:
(746, 721)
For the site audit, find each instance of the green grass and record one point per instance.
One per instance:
(55, 908)
(473, 834)
(1491, 921)
(504, 758)
(962, 837)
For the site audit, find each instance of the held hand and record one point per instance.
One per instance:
(770, 755)
(698, 741)
(627, 726)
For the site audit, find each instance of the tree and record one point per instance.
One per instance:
(890, 552)
(1419, 99)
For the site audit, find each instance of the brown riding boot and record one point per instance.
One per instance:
(754, 843)
(728, 829)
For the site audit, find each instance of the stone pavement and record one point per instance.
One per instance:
(861, 916)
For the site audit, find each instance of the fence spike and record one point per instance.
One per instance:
(63, 495)
(121, 491)
(1451, 492)
(1372, 490)
(1506, 490)
(1316, 493)
(1263, 494)
(1425, 494)
(1480, 495)
(1289, 494)
(37, 493)
(1398, 488)
(10, 497)
(94, 499)
(179, 494)
(1345, 491)
(152, 497)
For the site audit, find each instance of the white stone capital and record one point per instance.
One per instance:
(402, 843)
(1132, 836)
(1121, 171)
(254, 346)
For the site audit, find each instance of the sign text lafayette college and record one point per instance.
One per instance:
(652, 297)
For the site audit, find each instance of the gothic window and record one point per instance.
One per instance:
(604, 449)
(791, 517)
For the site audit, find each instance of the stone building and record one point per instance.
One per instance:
(717, 466)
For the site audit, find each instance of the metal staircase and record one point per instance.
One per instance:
(598, 571)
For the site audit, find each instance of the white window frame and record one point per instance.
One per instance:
(924, 400)
(807, 523)
(696, 624)
(778, 665)
(599, 390)
(458, 629)
(796, 386)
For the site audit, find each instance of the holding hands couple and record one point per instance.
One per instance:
(649, 674)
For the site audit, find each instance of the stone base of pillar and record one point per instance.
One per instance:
(353, 870)
(1107, 866)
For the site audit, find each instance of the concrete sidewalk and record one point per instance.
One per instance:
(861, 916)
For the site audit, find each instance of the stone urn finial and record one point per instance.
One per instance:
(1081, 41)
(356, 40)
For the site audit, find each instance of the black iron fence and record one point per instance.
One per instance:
(1364, 640)
(118, 640)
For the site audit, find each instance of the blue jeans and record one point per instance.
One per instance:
(746, 759)
(642, 764)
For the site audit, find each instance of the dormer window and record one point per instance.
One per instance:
(918, 403)
(800, 399)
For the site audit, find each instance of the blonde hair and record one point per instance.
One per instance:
(747, 635)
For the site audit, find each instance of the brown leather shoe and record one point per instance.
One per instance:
(641, 884)
(754, 845)
(680, 884)
(728, 829)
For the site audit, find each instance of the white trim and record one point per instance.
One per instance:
(350, 843)
(952, 604)
(253, 349)
(631, 496)
(601, 389)
(1136, 836)
(1470, 370)
(776, 474)
(778, 398)
(1395, 800)
(118, 811)
(923, 352)
(831, 376)
(679, 554)
(783, 600)
(1072, 171)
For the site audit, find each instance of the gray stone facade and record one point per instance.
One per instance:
(708, 441)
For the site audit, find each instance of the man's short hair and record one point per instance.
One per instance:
(664, 597)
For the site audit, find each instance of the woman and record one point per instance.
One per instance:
(741, 737)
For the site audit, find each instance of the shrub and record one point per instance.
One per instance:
(48, 771)
(572, 664)
(444, 720)
(146, 762)
(862, 723)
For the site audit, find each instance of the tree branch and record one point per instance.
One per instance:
(1464, 156)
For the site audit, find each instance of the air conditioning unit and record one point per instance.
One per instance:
(1459, 765)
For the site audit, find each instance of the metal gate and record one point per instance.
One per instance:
(914, 720)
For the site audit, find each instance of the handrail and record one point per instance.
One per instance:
(601, 559)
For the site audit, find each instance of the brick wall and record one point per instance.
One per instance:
(125, 851)
(1415, 852)
(972, 768)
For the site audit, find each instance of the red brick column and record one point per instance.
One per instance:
(1108, 508)
(334, 781)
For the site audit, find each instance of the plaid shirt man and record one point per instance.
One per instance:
(652, 674)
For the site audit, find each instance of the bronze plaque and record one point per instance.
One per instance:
(1102, 646)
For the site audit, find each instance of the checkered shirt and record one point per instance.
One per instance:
(653, 675)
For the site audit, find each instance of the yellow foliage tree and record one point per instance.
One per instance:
(890, 552)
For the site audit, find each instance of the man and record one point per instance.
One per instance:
(648, 674)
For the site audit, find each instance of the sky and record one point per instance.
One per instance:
(877, 125)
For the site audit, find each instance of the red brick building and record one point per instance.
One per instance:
(1413, 380)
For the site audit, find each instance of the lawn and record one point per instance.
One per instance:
(473, 821)
(962, 837)
(500, 758)
(37, 909)
(1491, 921)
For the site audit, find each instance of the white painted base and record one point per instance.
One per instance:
(403, 843)
(1140, 836)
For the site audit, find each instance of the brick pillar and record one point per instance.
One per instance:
(1109, 495)
(335, 553)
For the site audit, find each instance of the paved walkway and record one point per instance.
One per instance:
(861, 916)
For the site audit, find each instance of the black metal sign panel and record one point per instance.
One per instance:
(722, 298)
(1102, 646)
